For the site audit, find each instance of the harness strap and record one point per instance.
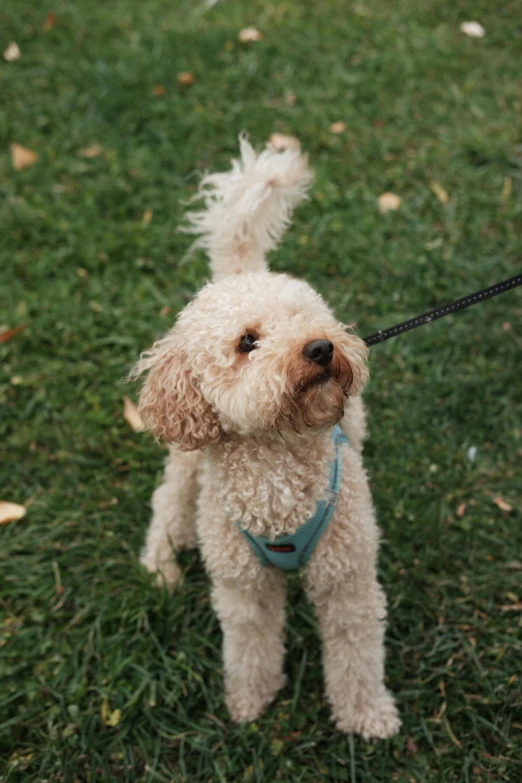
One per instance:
(293, 551)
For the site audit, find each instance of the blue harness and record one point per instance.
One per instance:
(291, 552)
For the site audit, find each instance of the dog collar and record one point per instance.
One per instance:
(293, 551)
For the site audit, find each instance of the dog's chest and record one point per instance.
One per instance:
(271, 489)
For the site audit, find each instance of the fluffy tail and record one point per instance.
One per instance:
(248, 208)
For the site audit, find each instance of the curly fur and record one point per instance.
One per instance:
(251, 443)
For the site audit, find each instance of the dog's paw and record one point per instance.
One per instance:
(167, 573)
(377, 720)
(244, 710)
(244, 706)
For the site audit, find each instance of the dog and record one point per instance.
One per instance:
(257, 390)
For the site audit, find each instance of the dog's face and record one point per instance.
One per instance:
(251, 353)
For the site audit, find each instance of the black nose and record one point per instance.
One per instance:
(319, 351)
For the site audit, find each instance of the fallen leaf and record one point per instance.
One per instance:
(158, 90)
(501, 504)
(12, 53)
(280, 141)
(49, 22)
(388, 202)
(473, 29)
(8, 334)
(249, 34)
(506, 326)
(439, 191)
(461, 510)
(147, 217)
(90, 152)
(109, 718)
(185, 78)
(10, 512)
(506, 191)
(512, 607)
(165, 310)
(21, 157)
(132, 416)
(338, 127)
(411, 747)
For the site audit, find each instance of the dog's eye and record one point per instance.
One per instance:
(247, 343)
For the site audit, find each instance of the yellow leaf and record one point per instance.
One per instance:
(12, 53)
(21, 157)
(49, 22)
(280, 141)
(439, 192)
(388, 202)
(185, 78)
(506, 191)
(109, 717)
(501, 504)
(147, 216)
(338, 127)
(249, 34)
(132, 416)
(10, 512)
(90, 152)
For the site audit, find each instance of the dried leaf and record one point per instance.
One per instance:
(473, 29)
(280, 141)
(506, 326)
(461, 510)
(249, 34)
(50, 21)
(506, 191)
(21, 157)
(512, 607)
(132, 416)
(411, 747)
(165, 310)
(109, 717)
(158, 90)
(10, 512)
(185, 78)
(388, 202)
(90, 152)
(8, 334)
(439, 191)
(338, 127)
(12, 53)
(147, 217)
(501, 504)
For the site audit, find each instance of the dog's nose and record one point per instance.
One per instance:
(319, 351)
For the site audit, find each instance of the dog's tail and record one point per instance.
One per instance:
(248, 208)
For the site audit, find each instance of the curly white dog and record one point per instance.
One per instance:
(257, 387)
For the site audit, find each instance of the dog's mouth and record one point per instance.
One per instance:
(318, 380)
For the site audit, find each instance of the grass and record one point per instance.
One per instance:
(86, 640)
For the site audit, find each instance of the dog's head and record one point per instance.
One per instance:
(252, 353)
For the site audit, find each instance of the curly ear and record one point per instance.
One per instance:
(171, 403)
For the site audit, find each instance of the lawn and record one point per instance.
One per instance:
(103, 676)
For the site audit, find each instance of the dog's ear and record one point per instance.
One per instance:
(171, 403)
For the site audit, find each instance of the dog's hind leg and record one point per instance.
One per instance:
(173, 524)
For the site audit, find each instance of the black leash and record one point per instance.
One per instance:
(440, 312)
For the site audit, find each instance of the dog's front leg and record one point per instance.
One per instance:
(251, 613)
(351, 609)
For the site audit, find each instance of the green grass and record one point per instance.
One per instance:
(83, 631)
